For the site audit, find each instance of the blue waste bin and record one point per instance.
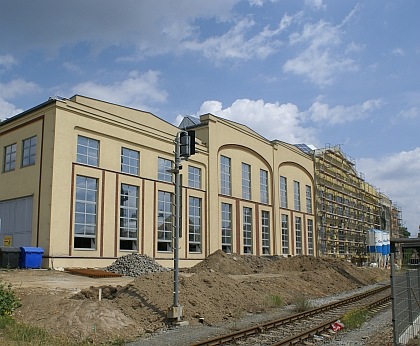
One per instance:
(31, 257)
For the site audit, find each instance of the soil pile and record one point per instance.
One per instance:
(222, 288)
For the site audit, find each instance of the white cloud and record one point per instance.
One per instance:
(17, 87)
(138, 90)
(8, 110)
(317, 4)
(397, 176)
(398, 51)
(152, 26)
(320, 60)
(271, 120)
(7, 61)
(234, 44)
(72, 67)
(321, 112)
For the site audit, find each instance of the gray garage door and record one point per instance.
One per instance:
(16, 221)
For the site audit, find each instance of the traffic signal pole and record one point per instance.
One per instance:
(184, 148)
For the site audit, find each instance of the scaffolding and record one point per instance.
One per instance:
(397, 223)
(346, 206)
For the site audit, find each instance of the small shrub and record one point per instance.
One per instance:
(8, 301)
(302, 304)
(354, 319)
(273, 300)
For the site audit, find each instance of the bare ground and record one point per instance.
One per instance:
(219, 289)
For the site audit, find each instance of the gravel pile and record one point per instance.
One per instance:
(135, 265)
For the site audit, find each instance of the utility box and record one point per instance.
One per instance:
(9, 257)
(31, 257)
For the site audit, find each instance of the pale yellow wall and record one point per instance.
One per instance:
(31, 180)
(115, 127)
(242, 145)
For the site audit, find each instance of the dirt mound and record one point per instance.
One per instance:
(222, 288)
(222, 263)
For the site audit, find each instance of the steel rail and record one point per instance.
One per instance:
(276, 323)
(324, 326)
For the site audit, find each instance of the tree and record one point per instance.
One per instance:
(403, 232)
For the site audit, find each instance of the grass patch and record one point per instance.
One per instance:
(13, 333)
(302, 304)
(8, 301)
(273, 300)
(354, 319)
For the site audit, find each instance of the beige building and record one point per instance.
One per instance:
(87, 181)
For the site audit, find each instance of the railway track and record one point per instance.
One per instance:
(300, 328)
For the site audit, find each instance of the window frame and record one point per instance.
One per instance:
(265, 232)
(84, 158)
(226, 220)
(285, 248)
(9, 158)
(308, 199)
(310, 237)
(225, 175)
(194, 225)
(132, 166)
(296, 195)
(165, 200)
(283, 192)
(89, 204)
(163, 166)
(298, 235)
(194, 177)
(264, 186)
(29, 152)
(247, 230)
(246, 181)
(126, 221)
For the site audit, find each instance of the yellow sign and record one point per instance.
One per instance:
(7, 240)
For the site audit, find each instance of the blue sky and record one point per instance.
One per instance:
(301, 71)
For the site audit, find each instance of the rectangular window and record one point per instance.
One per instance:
(194, 177)
(225, 175)
(308, 199)
(164, 224)
(296, 190)
(194, 220)
(129, 161)
(283, 192)
(264, 186)
(29, 152)
(128, 217)
(310, 237)
(85, 214)
(298, 228)
(163, 166)
(87, 151)
(226, 228)
(247, 230)
(9, 158)
(265, 232)
(284, 234)
(246, 181)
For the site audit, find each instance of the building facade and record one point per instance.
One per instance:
(347, 206)
(88, 182)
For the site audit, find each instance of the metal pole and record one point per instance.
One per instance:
(393, 300)
(176, 235)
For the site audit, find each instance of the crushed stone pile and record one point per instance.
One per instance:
(135, 265)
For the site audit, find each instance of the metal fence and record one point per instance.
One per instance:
(405, 293)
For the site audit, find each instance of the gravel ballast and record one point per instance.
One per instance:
(135, 265)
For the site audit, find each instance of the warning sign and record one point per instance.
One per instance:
(7, 240)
